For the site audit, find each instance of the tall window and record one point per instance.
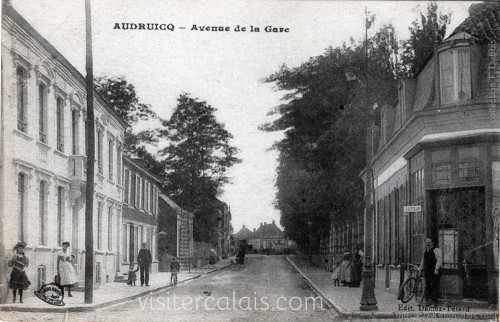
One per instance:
(118, 165)
(99, 151)
(99, 225)
(142, 187)
(125, 240)
(126, 196)
(455, 75)
(137, 191)
(110, 159)
(74, 132)
(21, 196)
(22, 99)
(42, 111)
(42, 204)
(60, 215)
(146, 195)
(60, 124)
(110, 228)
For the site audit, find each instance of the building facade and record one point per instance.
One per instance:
(176, 231)
(439, 151)
(140, 213)
(43, 159)
(268, 237)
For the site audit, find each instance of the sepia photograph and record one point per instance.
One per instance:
(267, 160)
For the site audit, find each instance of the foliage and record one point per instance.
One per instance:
(329, 102)
(122, 97)
(197, 158)
(425, 35)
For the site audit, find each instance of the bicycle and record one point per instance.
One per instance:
(413, 286)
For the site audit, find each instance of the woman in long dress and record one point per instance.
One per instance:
(18, 281)
(65, 267)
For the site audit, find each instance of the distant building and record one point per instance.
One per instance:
(176, 234)
(140, 212)
(268, 237)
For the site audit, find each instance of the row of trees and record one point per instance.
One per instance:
(330, 101)
(189, 153)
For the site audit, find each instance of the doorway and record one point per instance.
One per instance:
(457, 219)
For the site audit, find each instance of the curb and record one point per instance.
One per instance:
(384, 315)
(93, 307)
(315, 288)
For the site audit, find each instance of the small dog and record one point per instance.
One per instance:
(132, 276)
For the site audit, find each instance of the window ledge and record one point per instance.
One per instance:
(61, 154)
(43, 145)
(111, 181)
(23, 135)
(380, 265)
(100, 175)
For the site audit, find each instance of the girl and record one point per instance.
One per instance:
(18, 278)
(65, 269)
(336, 274)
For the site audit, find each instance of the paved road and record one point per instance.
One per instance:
(265, 288)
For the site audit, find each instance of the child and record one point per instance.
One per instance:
(132, 276)
(336, 274)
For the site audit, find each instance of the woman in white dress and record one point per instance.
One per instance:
(65, 267)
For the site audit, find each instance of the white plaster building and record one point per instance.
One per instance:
(42, 159)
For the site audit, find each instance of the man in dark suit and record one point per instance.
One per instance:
(144, 260)
(432, 263)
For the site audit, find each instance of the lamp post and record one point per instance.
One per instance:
(368, 301)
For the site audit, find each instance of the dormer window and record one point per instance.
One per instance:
(455, 75)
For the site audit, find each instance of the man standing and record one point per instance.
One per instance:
(144, 260)
(432, 261)
(357, 265)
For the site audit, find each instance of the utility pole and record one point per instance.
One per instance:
(4, 289)
(90, 142)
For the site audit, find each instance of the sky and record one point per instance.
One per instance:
(223, 68)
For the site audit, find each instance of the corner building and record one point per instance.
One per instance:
(439, 150)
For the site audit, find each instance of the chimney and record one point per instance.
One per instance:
(273, 222)
(243, 226)
(254, 230)
(260, 224)
(265, 223)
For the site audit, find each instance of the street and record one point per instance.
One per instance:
(264, 288)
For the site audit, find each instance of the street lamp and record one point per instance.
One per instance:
(368, 300)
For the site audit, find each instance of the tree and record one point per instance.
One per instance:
(424, 36)
(197, 158)
(122, 97)
(330, 100)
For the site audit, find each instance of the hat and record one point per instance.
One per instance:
(65, 243)
(20, 244)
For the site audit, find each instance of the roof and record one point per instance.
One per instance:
(169, 201)
(244, 233)
(138, 164)
(8, 10)
(268, 231)
(483, 22)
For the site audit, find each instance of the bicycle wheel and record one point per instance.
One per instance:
(419, 290)
(407, 290)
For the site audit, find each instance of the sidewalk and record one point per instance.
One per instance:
(346, 300)
(112, 293)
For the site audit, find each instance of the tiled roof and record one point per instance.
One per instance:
(483, 22)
